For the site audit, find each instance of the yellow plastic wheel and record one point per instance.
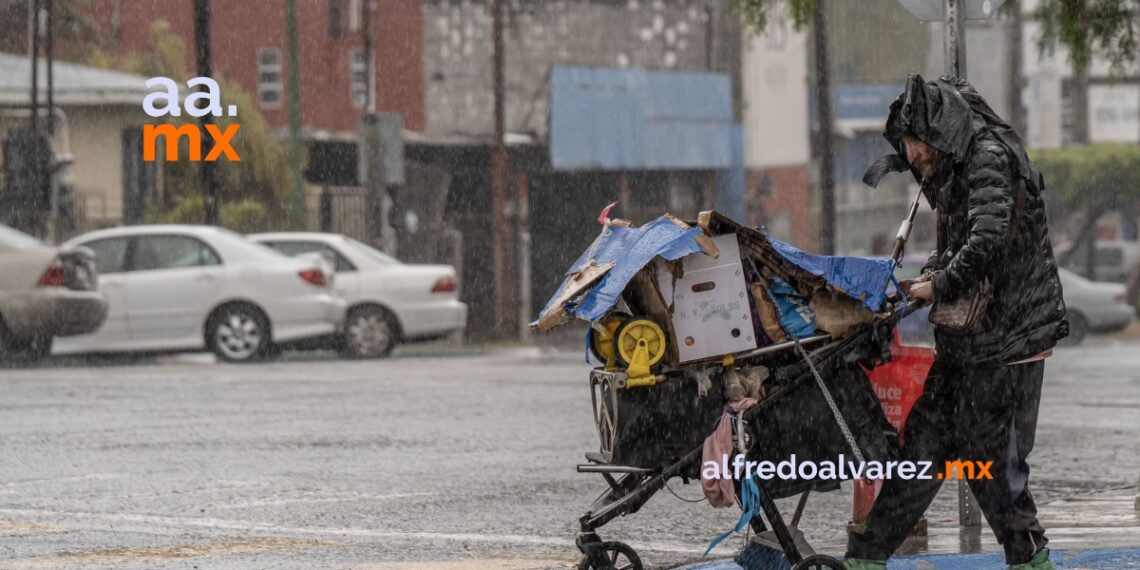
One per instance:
(631, 334)
(602, 343)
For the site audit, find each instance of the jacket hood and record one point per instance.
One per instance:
(947, 114)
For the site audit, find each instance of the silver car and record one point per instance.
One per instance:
(45, 292)
(1094, 306)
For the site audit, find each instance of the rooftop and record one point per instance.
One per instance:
(75, 84)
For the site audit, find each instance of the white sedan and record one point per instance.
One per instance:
(183, 288)
(45, 292)
(389, 301)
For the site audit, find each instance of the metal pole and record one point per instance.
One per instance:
(954, 38)
(524, 250)
(53, 181)
(954, 52)
(499, 174)
(366, 31)
(50, 47)
(297, 196)
(202, 56)
(33, 57)
(1017, 80)
(826, 138)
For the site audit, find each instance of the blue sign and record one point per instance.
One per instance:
(865, 101)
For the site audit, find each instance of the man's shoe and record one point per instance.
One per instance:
(857, 564)
(1040, 561)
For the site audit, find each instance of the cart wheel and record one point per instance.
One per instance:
(818, 562)
(621, 557)
(602, 343)
(630, 335)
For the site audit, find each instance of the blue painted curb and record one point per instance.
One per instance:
(1104, 559)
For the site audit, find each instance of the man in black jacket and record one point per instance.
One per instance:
(981, 397)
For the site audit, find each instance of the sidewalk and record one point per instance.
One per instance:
(1092, 532)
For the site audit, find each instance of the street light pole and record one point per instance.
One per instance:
(297, 195)
(954, 40)
(826, 139)
(207, 176)
(499, 174)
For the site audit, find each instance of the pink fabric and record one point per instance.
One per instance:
(721, 493)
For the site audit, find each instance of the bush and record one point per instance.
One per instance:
(246, 216)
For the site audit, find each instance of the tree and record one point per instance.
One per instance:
(754, 13)
(1093, 179)
(1090, 27)
(73, 27)
(262, 176)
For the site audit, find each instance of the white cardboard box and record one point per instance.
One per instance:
(712, 311)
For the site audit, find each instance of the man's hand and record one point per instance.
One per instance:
(919, 290)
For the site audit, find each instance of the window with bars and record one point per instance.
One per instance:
(269, 80)
(358, 70)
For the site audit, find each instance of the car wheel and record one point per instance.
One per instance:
(22, 350)
(369, 332)
(1078, 330)
(238, 333)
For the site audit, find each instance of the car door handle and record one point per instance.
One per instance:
(205, 277)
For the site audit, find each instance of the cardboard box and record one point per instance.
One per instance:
(712, 313)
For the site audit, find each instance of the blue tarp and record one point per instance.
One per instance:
(629, 249)
(863, 278)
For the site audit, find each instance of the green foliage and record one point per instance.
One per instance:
(261, 176)
(755, 13)
(243, 217)
(1092, 176)
(73, 27)
(1086, 27)
(182, 210)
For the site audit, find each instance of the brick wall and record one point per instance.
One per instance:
(239, 28)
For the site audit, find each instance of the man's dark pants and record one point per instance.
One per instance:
(981, 414)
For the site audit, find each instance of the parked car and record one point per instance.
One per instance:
(389, 302)
(45, 292)
(1093, 307)
(1113, 260)
(183, 288)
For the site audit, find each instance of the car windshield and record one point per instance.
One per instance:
(371, 252)
(15, 239)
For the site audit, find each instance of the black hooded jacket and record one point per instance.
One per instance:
(974, 194)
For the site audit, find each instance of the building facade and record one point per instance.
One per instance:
(249, 46)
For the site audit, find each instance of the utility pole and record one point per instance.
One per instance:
(499, 174)
(206, 173)
(366, 32)
(297, 195)
(954, 38)
(1016, 78)
(826, 139)
(50, 49)
(33, 57)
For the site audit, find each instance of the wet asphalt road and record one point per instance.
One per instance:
(430, 462)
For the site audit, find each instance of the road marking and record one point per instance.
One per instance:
(121, 556)
(310, 498)
(211, 523)
(71, 479)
